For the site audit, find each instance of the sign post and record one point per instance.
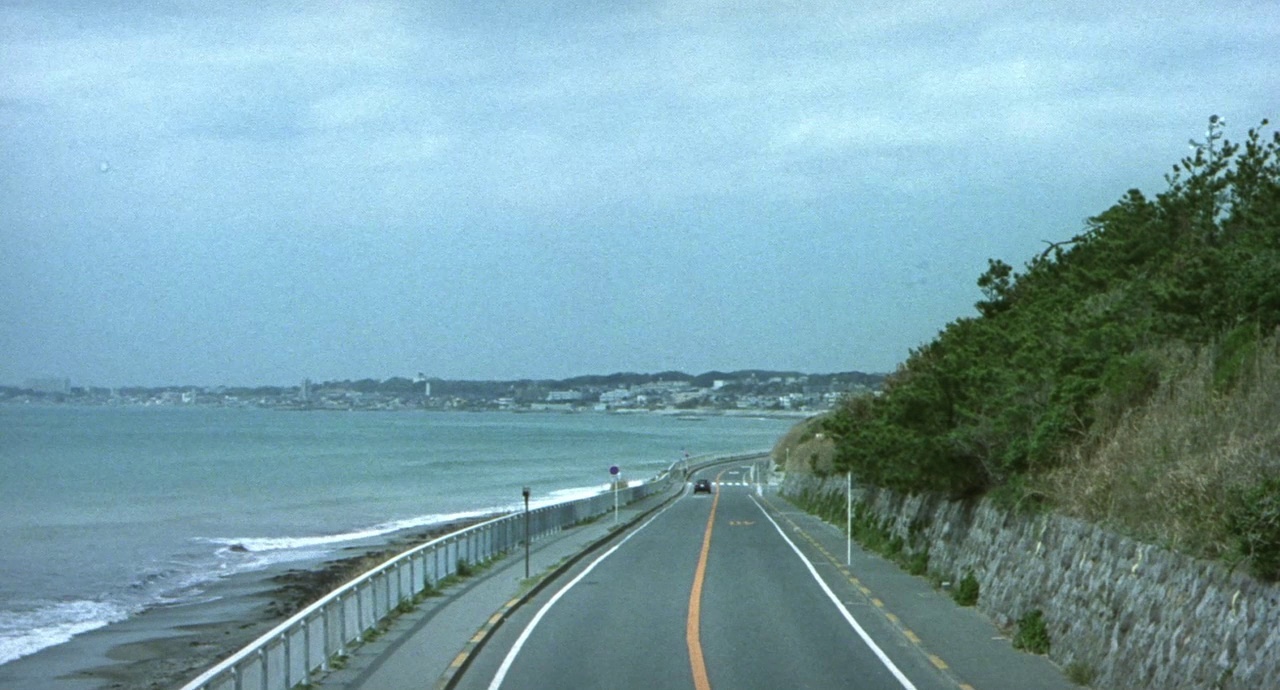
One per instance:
(615, 473)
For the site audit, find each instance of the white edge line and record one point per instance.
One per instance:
(528, 631)
(884, 658)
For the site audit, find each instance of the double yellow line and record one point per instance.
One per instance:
(693, 626)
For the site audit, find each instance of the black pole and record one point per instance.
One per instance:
(526, 533)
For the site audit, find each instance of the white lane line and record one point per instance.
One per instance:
(884, 658)
(528, 631)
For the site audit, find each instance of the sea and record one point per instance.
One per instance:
(106, 512)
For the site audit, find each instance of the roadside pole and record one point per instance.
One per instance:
(616, 474)
(848, 518)
(526, 532)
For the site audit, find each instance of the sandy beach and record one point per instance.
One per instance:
(165, 646)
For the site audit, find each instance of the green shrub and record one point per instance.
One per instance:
(1235, 352)
(1080, 673)
(1032, 635)
(464, 569)
(1254, 524)
(893, 547)
(1128, 381)
(918, 562)
(966, 592)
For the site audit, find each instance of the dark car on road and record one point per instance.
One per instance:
(702, 486)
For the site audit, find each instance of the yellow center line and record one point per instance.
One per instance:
(693, 625)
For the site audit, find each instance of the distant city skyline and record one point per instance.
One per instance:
(257, 193)
(56, 384)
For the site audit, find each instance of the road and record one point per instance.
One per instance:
(713, 591)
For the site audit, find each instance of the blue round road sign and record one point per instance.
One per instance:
(614, 470)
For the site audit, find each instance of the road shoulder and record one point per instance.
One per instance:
(959, 641)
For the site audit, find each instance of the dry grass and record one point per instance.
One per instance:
(805, 448)
(1169, 471)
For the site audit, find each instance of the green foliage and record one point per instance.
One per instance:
(1254, 523)
(464, 569)
(1080, 673)
(966, 591)
(918, 562)
(1064, 343)
(1128, 380)
(1032, 635)
(1238, 348)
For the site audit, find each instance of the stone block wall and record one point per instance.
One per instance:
(1137, 615)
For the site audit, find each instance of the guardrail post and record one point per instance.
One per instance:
(359, 616)
(306, 648)
(341, 603)
(288, 660)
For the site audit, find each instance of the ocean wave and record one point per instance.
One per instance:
(243, 546)
(50, 623)
(261, 545)
(573, 494)
(184, 580)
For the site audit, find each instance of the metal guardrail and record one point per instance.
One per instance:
(311, 639)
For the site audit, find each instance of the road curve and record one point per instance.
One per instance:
(709, 593)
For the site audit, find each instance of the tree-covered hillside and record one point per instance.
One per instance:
(1066, 353)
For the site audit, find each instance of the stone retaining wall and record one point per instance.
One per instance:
(1136, 615)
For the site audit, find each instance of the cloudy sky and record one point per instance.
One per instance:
(256, 192)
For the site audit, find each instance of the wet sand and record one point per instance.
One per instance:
(166, 646)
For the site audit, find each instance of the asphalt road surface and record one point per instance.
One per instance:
(713, 591)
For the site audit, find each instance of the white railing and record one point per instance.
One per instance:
(288, 654)
(311, 639)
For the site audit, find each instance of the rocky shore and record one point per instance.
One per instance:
(185, 640)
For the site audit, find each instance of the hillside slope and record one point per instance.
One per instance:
(1127, 374)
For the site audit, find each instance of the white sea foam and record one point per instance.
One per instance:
(260, 545)
(318, 543)
(48, 624)
(563, 495)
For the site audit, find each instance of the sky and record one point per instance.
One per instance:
(253, 193)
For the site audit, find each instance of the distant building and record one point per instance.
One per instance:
(615, 396)
(564, 396)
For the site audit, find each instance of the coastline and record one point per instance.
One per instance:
(165, 646)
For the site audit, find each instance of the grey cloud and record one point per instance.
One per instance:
(570, 183)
